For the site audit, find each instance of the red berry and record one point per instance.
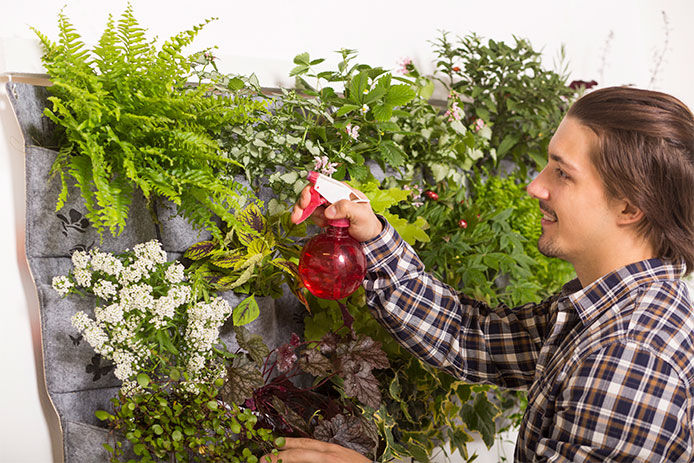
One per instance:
(431, 195)
(456, 68)
(462, 223)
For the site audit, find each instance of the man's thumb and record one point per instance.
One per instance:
(337, 210)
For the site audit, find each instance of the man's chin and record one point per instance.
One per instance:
(547, 248)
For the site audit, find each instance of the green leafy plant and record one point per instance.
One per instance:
(255, 259)
(163, 338)
(132, 121)
(508, 88)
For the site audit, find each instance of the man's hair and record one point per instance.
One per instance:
(645, 154)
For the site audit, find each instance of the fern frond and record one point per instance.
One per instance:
(71, 40)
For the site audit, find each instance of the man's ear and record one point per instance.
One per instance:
(628, 214)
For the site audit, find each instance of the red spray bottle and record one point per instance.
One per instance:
(332, 264)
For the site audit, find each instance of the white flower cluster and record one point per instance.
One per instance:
(175, 273)
(93, 333)
(105, 262)
(126, 365)
(83, 277)
(204, 320)
(105, 289)
(150, 251)
(126, 327)
(62, 285)
(80, 259)
(136, 297)
(112, 314)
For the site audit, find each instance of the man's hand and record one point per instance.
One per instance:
(364, 225)
(298, 450)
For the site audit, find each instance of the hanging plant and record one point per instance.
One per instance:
(131, 121)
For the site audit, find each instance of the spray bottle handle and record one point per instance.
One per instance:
(316, 200)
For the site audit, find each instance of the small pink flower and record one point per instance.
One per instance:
(352, 131)
(323, 165)
(454, 113)
(405, 66)
(479, 124)
(209, 57)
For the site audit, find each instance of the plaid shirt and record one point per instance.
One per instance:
(609, 368)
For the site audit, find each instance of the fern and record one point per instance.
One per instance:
(132, 122)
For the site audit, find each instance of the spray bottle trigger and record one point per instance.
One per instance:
(316, 200)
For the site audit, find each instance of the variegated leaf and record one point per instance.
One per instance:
(230, 260)
(200, 250)
(286, 266)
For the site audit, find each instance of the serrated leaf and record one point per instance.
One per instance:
(399, 95)
(479, 416)
(361, 384)
(252, 343)
(392, 153)
(359, 83)
(200, 250)
(243, 377)
(253, 218)
(313, 362)
(382, 200)
(382, 112)
(302, 58)
(229, 260)
(286, 266)
(246, 311)
(410, 232)
(346, 109)
(364, 350)
(349, 431)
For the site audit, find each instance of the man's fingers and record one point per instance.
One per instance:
(300, 443)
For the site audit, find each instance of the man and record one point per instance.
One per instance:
(608, 363)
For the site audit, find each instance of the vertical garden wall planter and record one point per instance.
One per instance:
(77, 381)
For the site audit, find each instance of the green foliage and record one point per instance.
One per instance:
(254, 258)
(496, 193)
(161, 422)
(508, 88)
(344, 118)
(131, 121)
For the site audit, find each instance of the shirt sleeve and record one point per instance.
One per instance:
(623, 403)
(465, 337)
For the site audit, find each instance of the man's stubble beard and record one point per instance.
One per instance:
(547, 247)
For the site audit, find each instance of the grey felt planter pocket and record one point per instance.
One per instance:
(77, 381)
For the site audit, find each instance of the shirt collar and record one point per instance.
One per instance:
(603, 293)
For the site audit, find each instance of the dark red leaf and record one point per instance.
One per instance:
(349, 431)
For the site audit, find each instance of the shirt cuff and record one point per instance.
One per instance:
(384, 246)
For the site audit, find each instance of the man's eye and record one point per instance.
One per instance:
(561, 173)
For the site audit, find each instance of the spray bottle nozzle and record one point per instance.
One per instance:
(325, 190)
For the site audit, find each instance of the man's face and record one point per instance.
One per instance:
(578, 221)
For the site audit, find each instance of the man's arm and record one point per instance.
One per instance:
(465, 337)
(621, 403)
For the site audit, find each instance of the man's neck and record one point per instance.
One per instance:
(592, 269)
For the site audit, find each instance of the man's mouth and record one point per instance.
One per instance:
(547, 215)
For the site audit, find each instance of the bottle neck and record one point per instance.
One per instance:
(337, 232)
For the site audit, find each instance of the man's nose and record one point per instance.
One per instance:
(536, 188)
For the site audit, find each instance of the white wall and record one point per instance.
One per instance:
(263, 37)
